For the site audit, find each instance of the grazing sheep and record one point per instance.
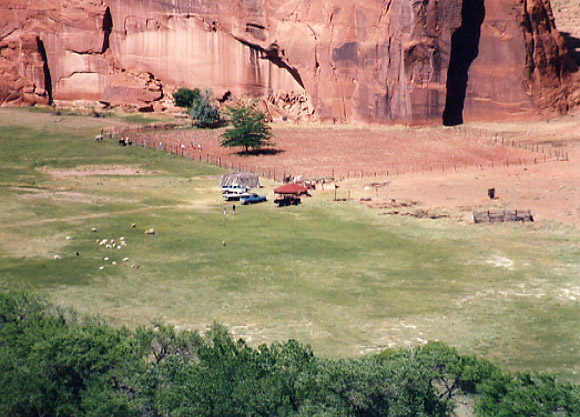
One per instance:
(125, 259)
(98, 241)
(133, 266)
(103, 242)
(118, 247)
(56, 257)
(122, 238)
(101, 268)
(93, 229)
(106, 258)
(68, 238)
(113, 263)
(133, 225)
(123, 243)
(223, 243)
(108, 246)
(150, 231)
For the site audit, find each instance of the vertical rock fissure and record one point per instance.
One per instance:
(464, 50)
(46, 70)
(107, 29)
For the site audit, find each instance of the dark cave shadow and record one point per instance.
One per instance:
(464, 50)
(573, 48)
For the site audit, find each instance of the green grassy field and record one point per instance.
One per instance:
(335, 275)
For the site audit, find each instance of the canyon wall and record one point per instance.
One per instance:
(370, 61)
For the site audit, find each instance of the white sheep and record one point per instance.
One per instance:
(113, 263)
(106, 258)
(93, 229)
(56, 257)
(102, 268)
(122, 238)
(108, 246)
(68, 238)
(125, 259)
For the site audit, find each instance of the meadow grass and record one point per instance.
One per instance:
(335, 275)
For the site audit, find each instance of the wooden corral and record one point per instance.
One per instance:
(499, 216)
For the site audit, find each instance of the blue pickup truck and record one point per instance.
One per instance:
(252, 199)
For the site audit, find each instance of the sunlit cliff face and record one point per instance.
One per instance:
(371, 61)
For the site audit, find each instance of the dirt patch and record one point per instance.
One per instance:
(88, 170)
(66, 196)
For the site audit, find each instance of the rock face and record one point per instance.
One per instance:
(369, 61)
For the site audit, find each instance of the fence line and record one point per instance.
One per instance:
(150, 138)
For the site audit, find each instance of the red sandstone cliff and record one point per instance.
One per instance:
(371, 61)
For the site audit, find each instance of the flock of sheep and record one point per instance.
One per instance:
(110, 244)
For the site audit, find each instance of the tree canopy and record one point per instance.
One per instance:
(200, 105)
(55, 362)
(249, 129)
(185, 97)
(203, 111)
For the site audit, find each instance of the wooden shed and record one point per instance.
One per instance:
(239, 179)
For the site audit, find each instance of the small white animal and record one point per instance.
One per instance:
(68, 238)
(113, 263)
(106, 259)
(125, 259)
(101, 268)
(56, 257)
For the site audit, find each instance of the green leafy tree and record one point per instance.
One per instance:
(185, 97)
(249, 129)
(203, 111)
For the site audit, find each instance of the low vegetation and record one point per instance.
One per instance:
(55, 362)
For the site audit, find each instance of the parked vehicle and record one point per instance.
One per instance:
(235, 190)
(234, 197)
(252, 199)
(287, 201)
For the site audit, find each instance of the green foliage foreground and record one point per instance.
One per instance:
(54, 362)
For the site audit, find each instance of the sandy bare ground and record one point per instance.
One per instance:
(428, 172)
(89, 170)
(550, 190)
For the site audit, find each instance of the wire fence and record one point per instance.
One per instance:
(181, 143)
